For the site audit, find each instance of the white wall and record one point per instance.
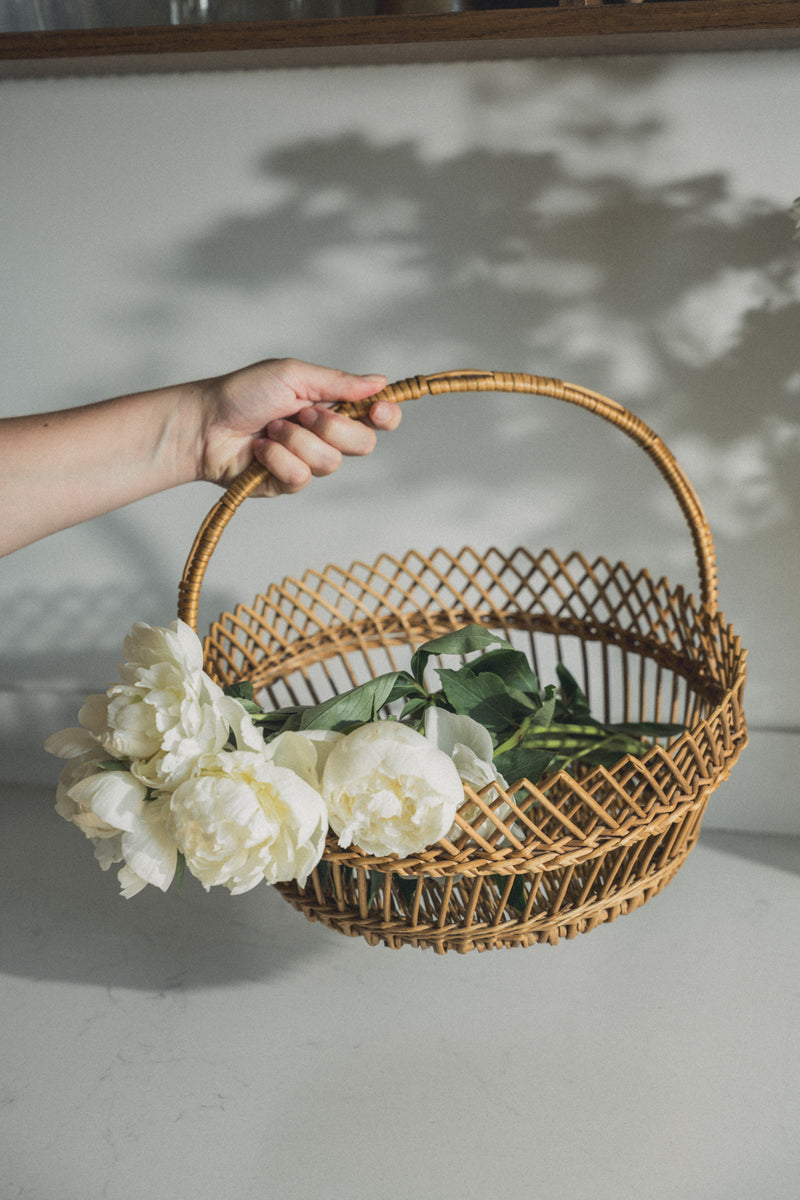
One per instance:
(619, 222)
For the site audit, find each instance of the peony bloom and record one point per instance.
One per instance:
(244, 819)
(111, 808)
(389, 790)
(166, 712)
(469, 744)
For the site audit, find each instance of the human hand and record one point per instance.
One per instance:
(277, 413)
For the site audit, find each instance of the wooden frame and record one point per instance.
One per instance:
(572, 27)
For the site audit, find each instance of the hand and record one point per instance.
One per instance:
(277, 413)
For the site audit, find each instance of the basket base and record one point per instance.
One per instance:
(577, 912)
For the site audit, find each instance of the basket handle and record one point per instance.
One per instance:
(473, 381)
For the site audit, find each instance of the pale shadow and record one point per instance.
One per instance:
(62, 918)
(780, 852)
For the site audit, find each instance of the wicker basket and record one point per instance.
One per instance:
(592, 847)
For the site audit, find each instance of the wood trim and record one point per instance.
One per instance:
(650, 26)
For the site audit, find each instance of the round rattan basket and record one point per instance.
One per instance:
(593, 845)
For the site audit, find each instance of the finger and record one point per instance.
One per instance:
(343, 434)
(385, 415)
(287, 473)
(321, 456)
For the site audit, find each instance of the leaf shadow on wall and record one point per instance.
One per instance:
(681, 300)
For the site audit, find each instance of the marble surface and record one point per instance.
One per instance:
(205, 1046)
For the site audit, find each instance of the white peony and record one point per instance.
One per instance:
(166, 712)
(469, 744)
(111, 808)
(389, 790)
(245, 819)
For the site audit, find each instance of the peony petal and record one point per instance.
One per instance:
(236, 717)
(295, 752)
(115, 796)
(189, 643)
(108, 851)
(130, 883)
(243, 883)
(446, 730)
(72, 743)
(473, 770)
(148, 848)
(94, 714)
(324, 740)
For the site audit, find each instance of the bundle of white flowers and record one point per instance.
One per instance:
(168, 771)
(164, 765)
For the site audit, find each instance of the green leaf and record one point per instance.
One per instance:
(483, 697)
(375, 880)
(325, 875)
(242, 691)
(545, 713)
(517, 897)
(496, 713)
(180, 868)
(575, 702)
(281, 720)
(111, 764)
(513, 668)
(414, 708)
(601, 748)
(407, 888)
(532, 725)
(460, 641)
(522, 762)
(653, 729)
(360, 705)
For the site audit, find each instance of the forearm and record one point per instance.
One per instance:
(60, 468)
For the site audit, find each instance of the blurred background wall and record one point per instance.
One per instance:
(623, 223)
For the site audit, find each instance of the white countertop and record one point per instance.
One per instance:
(205, 1046)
